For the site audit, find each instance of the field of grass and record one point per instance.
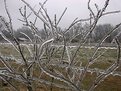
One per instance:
(111, 83)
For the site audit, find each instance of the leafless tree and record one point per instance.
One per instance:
(42, 52)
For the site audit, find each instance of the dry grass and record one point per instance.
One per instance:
(111, 83)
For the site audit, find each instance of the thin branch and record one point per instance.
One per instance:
(61, 16)
(10, 19)
(91, 11)
(112, 68)
(35, 13)
(5, 79)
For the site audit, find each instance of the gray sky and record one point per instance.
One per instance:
(76, 8)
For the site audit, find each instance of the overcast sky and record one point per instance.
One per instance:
(76, 8)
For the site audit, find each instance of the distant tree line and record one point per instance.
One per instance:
(78, 31)
(99, 32)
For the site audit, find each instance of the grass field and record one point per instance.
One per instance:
(111, 83)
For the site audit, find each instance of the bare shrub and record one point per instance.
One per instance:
(59, 64)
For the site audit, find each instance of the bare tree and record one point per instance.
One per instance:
(57, 62)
